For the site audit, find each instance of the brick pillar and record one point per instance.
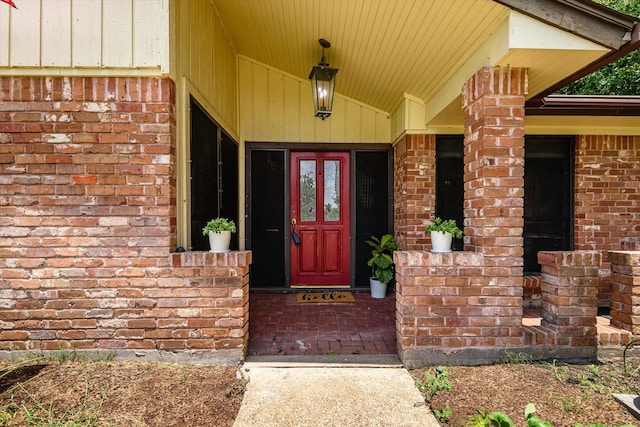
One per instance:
(209, 304)
(625, 290)
(570, 297)
(493, 102)
(414, 189)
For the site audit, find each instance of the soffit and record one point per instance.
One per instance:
(385, 49)
(382, 48)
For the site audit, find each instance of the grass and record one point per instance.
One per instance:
(38, 413)
(74, 389)
(41, 414)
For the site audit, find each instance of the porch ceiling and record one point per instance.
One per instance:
(384, 49)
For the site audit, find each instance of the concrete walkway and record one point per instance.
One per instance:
(296, 394)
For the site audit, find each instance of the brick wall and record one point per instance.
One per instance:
(625, 290)
(88, 217)
(414, 190)
(452, 309)
(465, 307)
(607, 202)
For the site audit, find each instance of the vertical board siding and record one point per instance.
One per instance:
(85, 33)
(4, 36)
(207, 58)
(277, 107)
(56, 18)
(24, 32)
(117, 34)
(148, 44)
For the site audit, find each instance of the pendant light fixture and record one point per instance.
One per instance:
(323, 82)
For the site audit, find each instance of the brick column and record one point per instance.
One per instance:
(215, 287)
(625, 290)
(493, 102)
(570, 297)
(414, 189)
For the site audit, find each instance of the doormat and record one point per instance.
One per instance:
(325, 297)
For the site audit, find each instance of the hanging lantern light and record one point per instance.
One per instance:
(323, 81)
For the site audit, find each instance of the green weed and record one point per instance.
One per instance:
(590, 379)
(571, 404)
(238, 389)
(432, 384)
(560, 373)
(443, 415)
(519, 358)
(500, 419)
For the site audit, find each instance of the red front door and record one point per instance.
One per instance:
(320, 217)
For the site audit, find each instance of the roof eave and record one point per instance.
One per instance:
(585, 105)
(584, 18)
(595, 22)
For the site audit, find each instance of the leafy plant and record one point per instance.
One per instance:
(601, 425)
(443, 415)
(219, 224)
(381, 261)
(432, 384)
(485, 419)
(448, 226)
(500, 419)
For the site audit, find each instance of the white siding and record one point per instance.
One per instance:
(85, 34)
(277, 107)
(56, 33)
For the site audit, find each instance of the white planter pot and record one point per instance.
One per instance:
(220, 241)
(378, 289)
(440, 242)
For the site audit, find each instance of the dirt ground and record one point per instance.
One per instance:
(119, 393)
(563, 394)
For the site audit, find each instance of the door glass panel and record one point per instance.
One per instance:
(308, 190)
(332, 190)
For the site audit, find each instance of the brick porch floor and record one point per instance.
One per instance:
(278, 325)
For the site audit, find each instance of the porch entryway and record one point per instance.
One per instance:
(280, 326)
(334, 198)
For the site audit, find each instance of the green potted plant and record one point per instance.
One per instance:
(219, 230)
(442, 233)
(381, 263)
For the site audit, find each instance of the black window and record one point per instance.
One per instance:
(450, 181)
(548, 198)
(548, 192)
(266, 237)
(373, 207)
(214, 176)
